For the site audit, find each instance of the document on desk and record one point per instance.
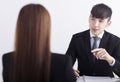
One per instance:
(80, 79)
(97, 79)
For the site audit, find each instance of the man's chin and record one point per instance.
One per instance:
(96, 34)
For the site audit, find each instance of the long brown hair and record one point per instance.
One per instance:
(32, 46)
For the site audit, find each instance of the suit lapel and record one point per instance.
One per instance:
(104, 40)
(91, 58)
(87, 42)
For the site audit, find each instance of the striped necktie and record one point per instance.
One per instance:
(95, 42)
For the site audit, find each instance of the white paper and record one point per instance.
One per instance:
(97, 79)
(80, 79)
(94, 79)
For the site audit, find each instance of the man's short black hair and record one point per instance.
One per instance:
(101, 11)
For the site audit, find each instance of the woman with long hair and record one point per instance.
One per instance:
(31, 59)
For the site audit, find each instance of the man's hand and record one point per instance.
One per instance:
(102, 54)
(76, 72)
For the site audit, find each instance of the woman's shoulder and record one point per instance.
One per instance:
(7, 56)
(8, 53)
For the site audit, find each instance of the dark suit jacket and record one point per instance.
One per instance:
(80, 48)
(61, 68)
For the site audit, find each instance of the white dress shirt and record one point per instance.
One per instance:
(92, 39)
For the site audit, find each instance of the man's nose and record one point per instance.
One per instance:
(96, 23)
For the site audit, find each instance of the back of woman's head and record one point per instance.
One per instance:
(32, 46)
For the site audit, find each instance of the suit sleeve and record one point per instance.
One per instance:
(69, 73)
(71, 50)
(116, 54)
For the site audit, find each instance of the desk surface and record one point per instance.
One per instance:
(97, 79)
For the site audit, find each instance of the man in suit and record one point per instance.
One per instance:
(100, 56)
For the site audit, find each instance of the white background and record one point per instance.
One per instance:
(68, 17)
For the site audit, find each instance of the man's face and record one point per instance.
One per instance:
(97, 25)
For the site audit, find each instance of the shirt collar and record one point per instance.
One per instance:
(100, 35)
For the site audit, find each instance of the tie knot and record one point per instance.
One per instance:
(96, 38)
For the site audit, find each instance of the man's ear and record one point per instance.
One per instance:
(108, 24)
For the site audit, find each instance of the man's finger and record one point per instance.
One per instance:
(96, 50)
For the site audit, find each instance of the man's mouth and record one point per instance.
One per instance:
(95, 30)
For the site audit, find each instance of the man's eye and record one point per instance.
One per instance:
(92, 19)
